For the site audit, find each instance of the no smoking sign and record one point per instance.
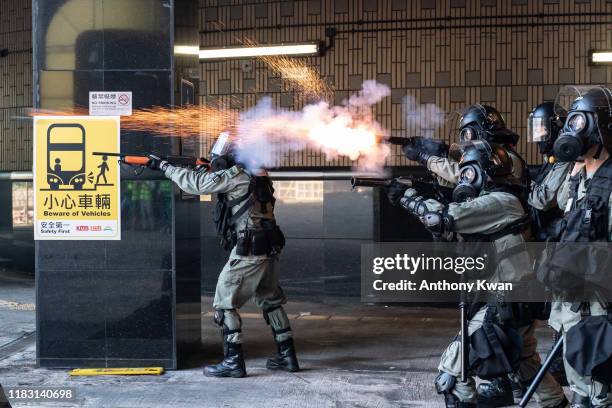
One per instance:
(103, 103)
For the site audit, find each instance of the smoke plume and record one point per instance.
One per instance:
(422, 119)
(267, 134)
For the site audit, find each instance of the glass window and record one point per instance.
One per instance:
(23, 204)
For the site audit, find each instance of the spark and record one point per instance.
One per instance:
(306, 80)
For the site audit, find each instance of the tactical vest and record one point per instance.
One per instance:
(264, 239)
(543, 221)
(579, 263)
(587, 221)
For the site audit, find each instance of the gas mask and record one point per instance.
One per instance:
(470, 182)
(579, 134)
(471, 179)
(479, 163)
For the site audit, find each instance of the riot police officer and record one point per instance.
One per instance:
(586, 197)
(245, 221)
(486, 207)
(478, 122)
(543, 127)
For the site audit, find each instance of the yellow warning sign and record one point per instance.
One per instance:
(77, 192)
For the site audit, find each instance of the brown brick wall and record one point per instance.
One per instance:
(504, 58)
(15, 85)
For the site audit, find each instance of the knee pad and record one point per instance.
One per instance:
(276, 318)
(445, 383)
(219, 317)
(228, 319)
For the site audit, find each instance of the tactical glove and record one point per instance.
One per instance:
(395, 191)
(156, 163)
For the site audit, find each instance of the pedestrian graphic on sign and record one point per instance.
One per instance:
(103, 169)
(58, 166)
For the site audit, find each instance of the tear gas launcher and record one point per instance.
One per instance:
(144, 160)
(422, 185)
(433, 147)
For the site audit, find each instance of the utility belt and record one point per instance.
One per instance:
(515, 228)
(268, 240)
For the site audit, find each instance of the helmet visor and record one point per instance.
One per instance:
(538, 129)
(221, 146)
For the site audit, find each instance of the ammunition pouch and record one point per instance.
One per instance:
(494, 348)
(267, 240)
(243, 244)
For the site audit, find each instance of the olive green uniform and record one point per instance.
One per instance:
(562, 318)
(243, 277)
(543, 196)
(490, 213)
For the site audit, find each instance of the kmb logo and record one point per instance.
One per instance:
(82, 228)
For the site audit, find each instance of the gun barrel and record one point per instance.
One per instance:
(369, 182)
(397, 140)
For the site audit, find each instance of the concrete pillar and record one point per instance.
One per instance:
(115, 303)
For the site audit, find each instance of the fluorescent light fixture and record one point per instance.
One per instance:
(600, 56)
(259, 51)
(186, 50)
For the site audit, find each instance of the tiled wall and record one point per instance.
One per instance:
(512, 54)
(15, 85)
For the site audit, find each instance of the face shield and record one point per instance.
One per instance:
(221, 146)
(538, 129)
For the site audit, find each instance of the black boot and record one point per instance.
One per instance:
(232, 364)
(445, 383)
(286, 359)
(497, 393)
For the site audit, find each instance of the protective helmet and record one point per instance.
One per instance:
(544, 124)
(486, 123)
(222, 153)
(589, 123)
(479, 162)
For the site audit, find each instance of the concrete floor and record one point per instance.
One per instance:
(353, 355)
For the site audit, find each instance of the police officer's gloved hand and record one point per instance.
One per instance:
(414, 152)
(156, 163)
(395, 191)
(413, 202)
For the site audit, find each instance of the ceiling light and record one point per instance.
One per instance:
(259, 51)
(186, 50)
(600, 57)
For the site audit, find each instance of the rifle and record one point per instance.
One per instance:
(440, 193)
(557, 348)
(139, 160)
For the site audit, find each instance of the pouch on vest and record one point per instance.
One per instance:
(243, 243)
(588, 348)
(494, 351)
(260, 243)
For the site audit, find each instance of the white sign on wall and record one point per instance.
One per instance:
(102, 103)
